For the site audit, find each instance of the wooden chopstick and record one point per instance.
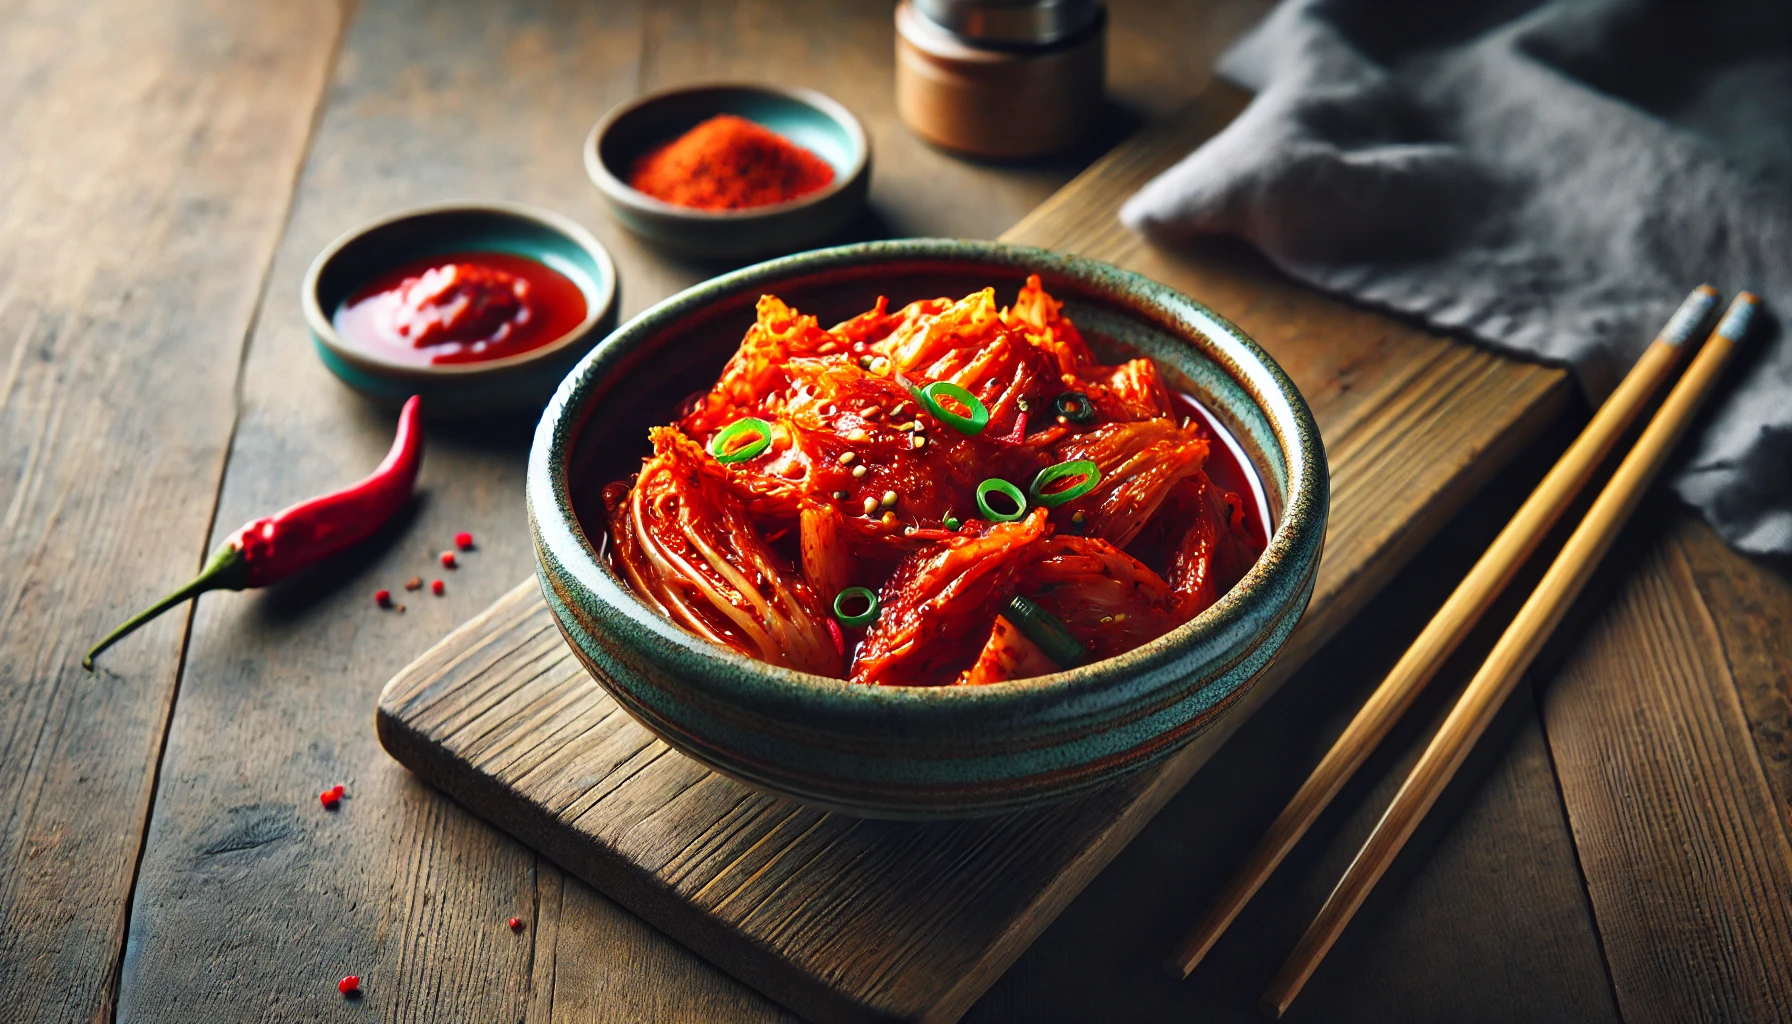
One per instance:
(1541, 612)
(1452, 623)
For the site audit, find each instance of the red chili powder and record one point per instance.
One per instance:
(729, 163)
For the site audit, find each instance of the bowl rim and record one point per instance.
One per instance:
(746, 681)
(373, 363)
(619, 191)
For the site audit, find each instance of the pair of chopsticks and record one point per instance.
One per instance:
(1510, 657)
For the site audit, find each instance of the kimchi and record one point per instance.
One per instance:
(948, 493)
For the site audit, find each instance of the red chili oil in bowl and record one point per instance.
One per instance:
(465, 307)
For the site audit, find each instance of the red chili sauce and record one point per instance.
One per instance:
(466, 307)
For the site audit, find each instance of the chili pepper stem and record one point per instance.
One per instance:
(226, 570)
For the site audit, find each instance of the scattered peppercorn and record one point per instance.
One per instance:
(414, 583)
(448, 559)
(463, 540)
(436, 587)
(383, 598)
(349, 986)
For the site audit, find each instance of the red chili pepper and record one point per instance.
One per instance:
(274, 547)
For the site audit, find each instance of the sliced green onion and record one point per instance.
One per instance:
(722, 445)
(844, 600)
(1044, 629)
(1042, 492)
(953, 523)
(930, 396)
(997, 485)
(1075, 407)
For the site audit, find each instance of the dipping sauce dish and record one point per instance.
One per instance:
(477, 307)
(805, 117)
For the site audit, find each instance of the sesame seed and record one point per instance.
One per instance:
(858, 471)
(920, 442)
(889, 497)
(841, 495)
(827, 348)
(1119, 616)
(1063, 419)
(1077, 517)
(846, 457)
(896, 410)
(890, 518)
(856, 435)
(880, 365)
(905, 427)
(1105, 619)
(864, 362)
(870, 505)
(1022, 403)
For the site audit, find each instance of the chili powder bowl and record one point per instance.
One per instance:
(512, 382)
(920, 752)
(803, 116)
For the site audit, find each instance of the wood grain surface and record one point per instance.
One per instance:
(142, 192)
(846, 919)
(1652, 745)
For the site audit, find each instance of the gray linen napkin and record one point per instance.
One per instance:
(1551, 178)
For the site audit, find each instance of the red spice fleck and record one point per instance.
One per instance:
(383, 598)
(463, 540)
(331, 797)
(448, 559)
(436, 587)
(727, 163)
(516, 924)
(350, 985)
(839, 637)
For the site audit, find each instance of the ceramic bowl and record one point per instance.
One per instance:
(913, 752)
(803, 116)
(459, 389)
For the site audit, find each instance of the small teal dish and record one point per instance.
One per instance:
(901, 752)
(803, 116)
(459, 389)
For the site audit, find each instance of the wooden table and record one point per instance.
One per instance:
(1617, 846)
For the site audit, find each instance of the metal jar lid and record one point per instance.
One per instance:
(1011, 22)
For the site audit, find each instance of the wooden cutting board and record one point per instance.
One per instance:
(848, 920)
